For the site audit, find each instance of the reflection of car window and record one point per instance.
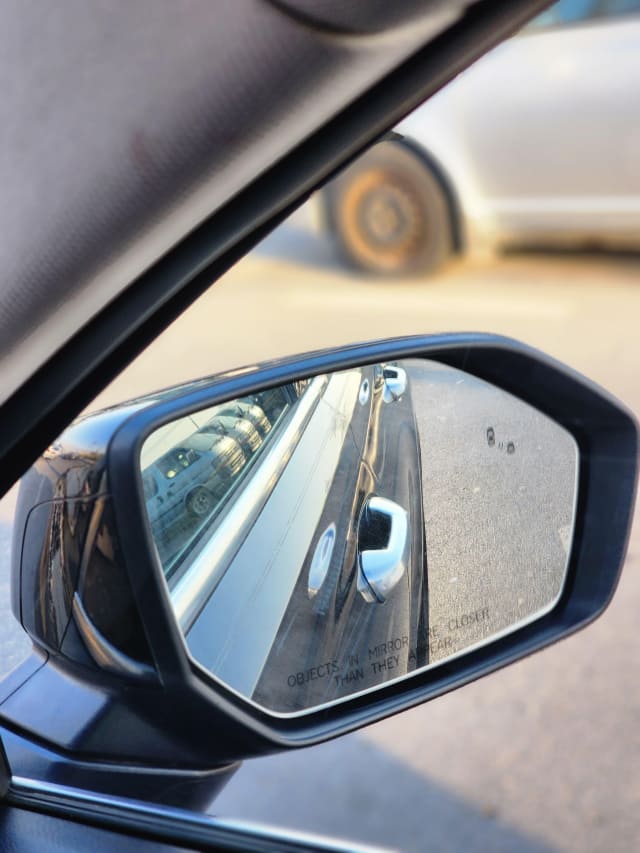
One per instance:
(177, 460)
(619, 7)
(568, 12)
(273, 401)
(228, 443)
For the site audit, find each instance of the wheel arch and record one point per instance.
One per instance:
(454, 206)
(456, 219)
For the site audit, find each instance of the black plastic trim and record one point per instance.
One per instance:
(456, 215)
(163, 824)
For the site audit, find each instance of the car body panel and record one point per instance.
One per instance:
(521, 163)
(262, 625)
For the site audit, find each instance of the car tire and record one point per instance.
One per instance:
(389, 213)
(200, 502)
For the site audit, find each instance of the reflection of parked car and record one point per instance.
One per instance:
(251, 412)
(272, 402)
(192, 477)
(239, 428)
(536, 143)
(231, 440)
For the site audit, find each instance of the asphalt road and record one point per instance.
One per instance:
(499, 488)
(544, 755)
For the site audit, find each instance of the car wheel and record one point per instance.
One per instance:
(200, 502)
(390, 214)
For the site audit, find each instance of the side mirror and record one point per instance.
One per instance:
(281, 554)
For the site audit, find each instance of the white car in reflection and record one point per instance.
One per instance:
(537, 143)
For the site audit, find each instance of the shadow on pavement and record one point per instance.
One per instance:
(568, 253)
(308, 247)
(330, 790)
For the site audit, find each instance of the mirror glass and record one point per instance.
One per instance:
(322, 538)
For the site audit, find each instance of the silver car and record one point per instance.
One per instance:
(550, 156)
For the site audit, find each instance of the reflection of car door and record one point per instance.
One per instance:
(396, 466)
(332, 642)
(554, 145)
(386, 639)
(254, 587)
(288, 602)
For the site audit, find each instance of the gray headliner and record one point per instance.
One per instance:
(125, 125)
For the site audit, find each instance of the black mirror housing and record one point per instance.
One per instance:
(88, 587)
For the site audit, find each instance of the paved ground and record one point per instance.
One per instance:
(497, 522)
(542, 756)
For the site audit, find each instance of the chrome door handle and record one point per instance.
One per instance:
(380, 569)
(395, 383)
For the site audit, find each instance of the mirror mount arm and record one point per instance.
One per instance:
(25, 758)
